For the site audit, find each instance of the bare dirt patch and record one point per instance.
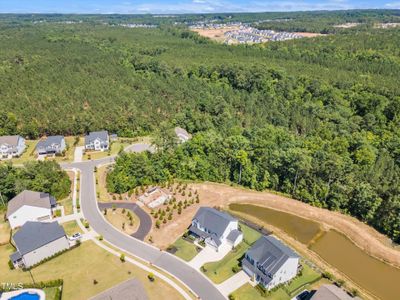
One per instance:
(215, 34)
(309, 34)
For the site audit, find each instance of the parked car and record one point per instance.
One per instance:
(75, 236)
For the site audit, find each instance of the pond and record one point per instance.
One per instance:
(379, 278)
(373, 275)
(299, 228)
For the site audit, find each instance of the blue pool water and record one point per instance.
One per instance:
(26, 296)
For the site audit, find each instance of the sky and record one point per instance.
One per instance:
(184, 6)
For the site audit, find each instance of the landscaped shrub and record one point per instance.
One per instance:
(122, 257)
(236, 269)
(11, 265)
(327, 275)
(151, 277)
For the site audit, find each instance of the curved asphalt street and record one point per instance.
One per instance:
(196, 281)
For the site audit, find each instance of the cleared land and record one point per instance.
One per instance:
(80, 267)
(119, 219)
(215, 34)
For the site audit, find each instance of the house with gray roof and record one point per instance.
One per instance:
(30, 206)
(217, 229)
(51, 145)
(36, 241)
(11, 146)
(97, 141)
(331, 292)
(269, 262)
(182, 134)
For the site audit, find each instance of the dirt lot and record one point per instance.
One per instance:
(309, 34)
(215, 34)
(218, 195)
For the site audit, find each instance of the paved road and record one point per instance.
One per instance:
(145, 220)
(203, 287)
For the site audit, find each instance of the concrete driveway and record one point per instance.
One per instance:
(232, 284)
(208, 254)
(78, 153)
(145, 219)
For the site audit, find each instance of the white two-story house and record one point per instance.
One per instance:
(11, 146)
(269, 262)
(97, 141)
(216, 228)
(30, 206)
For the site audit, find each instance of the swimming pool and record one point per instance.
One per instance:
(26, 296)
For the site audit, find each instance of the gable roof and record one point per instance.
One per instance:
(49, 141)
(330, 292)
(11, 140)
(34, 235)
(270, 254)
(92, 136)
(30, 198)
(214, 220)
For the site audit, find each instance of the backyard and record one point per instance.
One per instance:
(220, 271)
(184, 249)
(86, 270)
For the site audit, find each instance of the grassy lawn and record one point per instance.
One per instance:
(220, 271)
(71, 227)
(101, 188)
(4, 229)
(50, 293)
(115, 148)
(186, 250)
(117, 218)
(308, 275)
(247, 292)
(67, 203)
(79, 267)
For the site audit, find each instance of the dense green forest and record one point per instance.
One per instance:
(45, 177)
(315, 118)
